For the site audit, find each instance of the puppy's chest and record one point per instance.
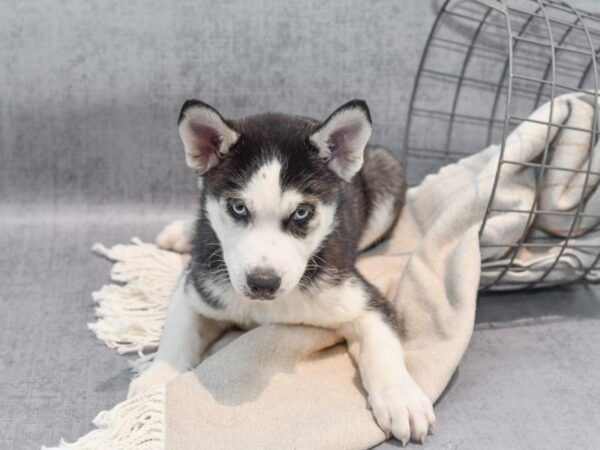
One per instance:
(325, 306)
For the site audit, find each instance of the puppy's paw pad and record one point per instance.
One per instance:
(177, 236)
(404, 411)
(158, 373)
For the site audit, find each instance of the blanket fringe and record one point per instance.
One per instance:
(131, 311)
(130, 316)
(135, 424)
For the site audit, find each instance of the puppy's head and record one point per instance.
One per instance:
(271, 185)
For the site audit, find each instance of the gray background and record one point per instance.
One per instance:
(89, 96)
(91, 91)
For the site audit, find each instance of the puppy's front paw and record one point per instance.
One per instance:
(403, 410)
(157, 373)
(177, 236)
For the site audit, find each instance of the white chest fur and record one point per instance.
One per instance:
(321, 305)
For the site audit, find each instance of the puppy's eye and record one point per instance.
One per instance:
(302, 214)
(237, 209)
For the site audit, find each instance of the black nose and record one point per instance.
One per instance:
(263, 283)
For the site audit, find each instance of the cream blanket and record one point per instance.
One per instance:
(295, 386)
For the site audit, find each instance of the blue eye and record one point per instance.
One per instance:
(238, 210)
(302, 214)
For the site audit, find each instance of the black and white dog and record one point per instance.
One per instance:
(286, 203)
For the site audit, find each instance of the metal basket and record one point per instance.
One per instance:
(486, 66)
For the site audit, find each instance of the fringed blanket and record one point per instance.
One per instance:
(295, 386)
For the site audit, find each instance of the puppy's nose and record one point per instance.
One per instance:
(263, 283)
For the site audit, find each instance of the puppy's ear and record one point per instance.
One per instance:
(342, 138)
(205, 135)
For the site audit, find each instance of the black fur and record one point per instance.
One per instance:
(267, 136)
(206, 295)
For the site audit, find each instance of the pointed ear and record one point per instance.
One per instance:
(205, 135)
(342, 138)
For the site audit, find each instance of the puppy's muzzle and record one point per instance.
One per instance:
(263, 283)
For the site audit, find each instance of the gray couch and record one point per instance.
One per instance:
(89, 96)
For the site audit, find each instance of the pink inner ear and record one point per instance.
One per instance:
(207, 142)
(340, 141)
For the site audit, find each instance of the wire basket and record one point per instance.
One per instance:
(487, 65)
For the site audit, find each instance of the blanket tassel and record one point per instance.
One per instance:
(135, 424)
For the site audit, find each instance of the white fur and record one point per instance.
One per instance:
(319, 305)
(177, 236)
(380, 220)
(397, 402)
(185, 337)
(263, 243)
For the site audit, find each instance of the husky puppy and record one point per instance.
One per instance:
(286, 202)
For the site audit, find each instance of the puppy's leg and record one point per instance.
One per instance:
(185, 337)
(398, 404)
(177, 236)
